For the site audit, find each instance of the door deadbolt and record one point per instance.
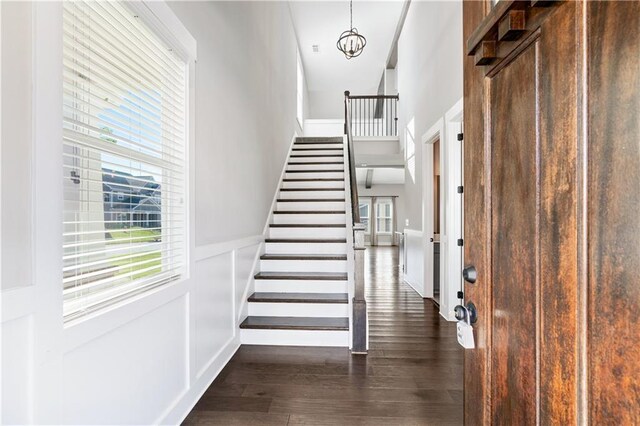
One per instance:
(470, 274)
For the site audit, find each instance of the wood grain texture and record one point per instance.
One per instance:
(412, 375)
(558, 217)
(614, 222)
(515, 235)
(475, 148)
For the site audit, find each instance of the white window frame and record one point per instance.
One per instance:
(366, 202)
(379, 202)
(299, 90)
(166, 25)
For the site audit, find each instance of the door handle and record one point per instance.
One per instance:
(461, 312)
(470, 274)
(430, 240)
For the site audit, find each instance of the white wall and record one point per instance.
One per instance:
(429, 73)
(429, 76)
(325, 104)
(148, 360)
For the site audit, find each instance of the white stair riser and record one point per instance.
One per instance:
(309, 218)
(314, 166)
(325, 159)
(332, 310)
(314, 184)
(293, 195)
(303, 265)
(310, 206)
(307, 151)
(318, 145)
(311, 175)
(307, 232)
(306, 248)
(295, 337)
(301, 286)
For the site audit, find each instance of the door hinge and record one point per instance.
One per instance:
(460, 189)
(460, 242)
(460, 295)
(460, 136)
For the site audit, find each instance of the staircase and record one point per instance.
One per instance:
(301, 292)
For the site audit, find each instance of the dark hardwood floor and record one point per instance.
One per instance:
(412, 375)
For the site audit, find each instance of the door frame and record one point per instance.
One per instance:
(435, 132)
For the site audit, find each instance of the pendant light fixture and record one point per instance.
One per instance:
(350, 42)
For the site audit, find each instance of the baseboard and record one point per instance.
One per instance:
(181, 409)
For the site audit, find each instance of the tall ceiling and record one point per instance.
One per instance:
(321, 23)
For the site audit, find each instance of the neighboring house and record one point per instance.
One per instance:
(130, 200)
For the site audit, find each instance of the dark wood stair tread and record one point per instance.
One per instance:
(305, 240)
(295, 323)
(315, 171)
(333, 148)
(319, 276)
(303, 257)
(310, 189)
(312, 163)
(310, 212)
(314, 180)
(315, 155)
(299, 298)
(307, 225)
(313, 200)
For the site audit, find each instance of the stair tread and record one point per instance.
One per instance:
(314, 180)
(319, 149)
(310, 212)
(315, 171)
(307, 225)
(329, 276)
(310, 163)
(295, 323)
(315, 156)
(299, 298)
(314, 200)
(303, 257)
(310, 189)
(305, 240)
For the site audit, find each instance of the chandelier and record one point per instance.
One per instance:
(350, 42)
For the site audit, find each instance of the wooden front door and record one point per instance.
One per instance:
(552, 211)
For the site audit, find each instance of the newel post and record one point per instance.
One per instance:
(359, 345)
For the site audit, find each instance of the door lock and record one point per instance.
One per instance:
(461, 312)
(470, 274)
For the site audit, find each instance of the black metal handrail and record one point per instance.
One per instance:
(373, 115)
(355, 206)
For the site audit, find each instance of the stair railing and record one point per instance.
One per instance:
(359, 304)
(373, 115)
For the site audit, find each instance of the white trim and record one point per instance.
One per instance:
(435, 132)
(215, 249)
(451, 254)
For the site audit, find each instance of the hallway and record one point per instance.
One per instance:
(412, 375)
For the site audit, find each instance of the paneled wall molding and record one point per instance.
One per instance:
(215, 249)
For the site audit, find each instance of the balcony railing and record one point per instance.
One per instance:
(373, 115)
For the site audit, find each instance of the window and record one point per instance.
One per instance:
(364, 216)
(124, 140)
(300, 90)
(384, 216)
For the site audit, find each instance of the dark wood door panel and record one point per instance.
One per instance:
(514, 223)
(614, 212)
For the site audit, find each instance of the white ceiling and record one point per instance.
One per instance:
(322, 22)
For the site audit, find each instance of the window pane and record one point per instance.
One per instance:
(123, 167)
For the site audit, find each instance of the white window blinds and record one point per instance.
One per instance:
(124, 138)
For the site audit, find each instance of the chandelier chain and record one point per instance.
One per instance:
(350, 13)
